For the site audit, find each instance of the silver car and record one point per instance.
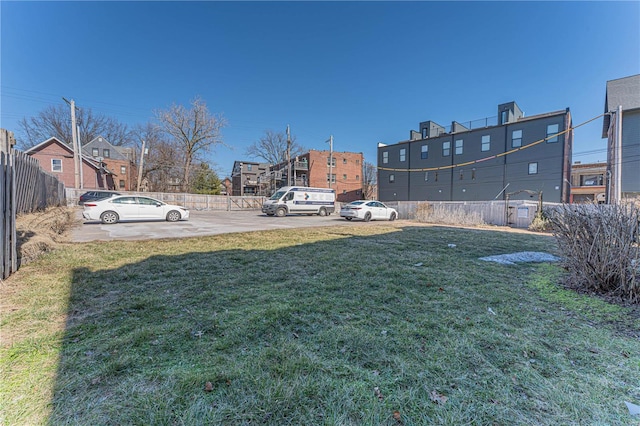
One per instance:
(368, 210)
(130, 207)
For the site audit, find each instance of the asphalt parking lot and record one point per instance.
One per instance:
(201, 223)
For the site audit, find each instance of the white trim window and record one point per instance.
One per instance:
(459, 146)
(533, 168)
(552, 129)
(446, 148)
(403, 155)
(424, 152)
(56, 165)
(385, 157)
(392, 178)
(486, 143)
(516, 138)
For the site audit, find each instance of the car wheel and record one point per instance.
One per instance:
(322, 212)
(348, 218)
(281, 212)
(173, 216)
(109, 217)
(392, 217)
(367, 216)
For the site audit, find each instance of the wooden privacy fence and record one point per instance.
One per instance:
(24, 188)
(190, 201)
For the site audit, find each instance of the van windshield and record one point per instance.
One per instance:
(278, 195)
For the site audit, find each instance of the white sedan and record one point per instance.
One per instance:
(130, 207)
(368, 210)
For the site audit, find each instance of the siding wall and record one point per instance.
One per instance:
(484, 180)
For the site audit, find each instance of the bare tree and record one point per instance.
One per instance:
(369, 181)
(55, 121)
(272, 147)
(193, 131)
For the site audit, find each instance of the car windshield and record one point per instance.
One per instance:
(277, 195)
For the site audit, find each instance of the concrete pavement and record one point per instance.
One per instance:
(201, 223)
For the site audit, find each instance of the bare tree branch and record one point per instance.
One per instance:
(192, 132)
(272, 147)
(55, 121)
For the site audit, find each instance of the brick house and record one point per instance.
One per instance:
(118, 160)
(56, 157)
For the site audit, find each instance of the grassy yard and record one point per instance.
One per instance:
(362, 325)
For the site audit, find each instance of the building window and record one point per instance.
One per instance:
(333, 178)
(344, 191)
(106, 153)
(357, 177)
(486, 143)
(392, 178)
(344, 177)
(331, 161)
(95, 152)
(459, 146)
(424, 152)
(123, 170)
(533, 168)
(473, 174)
(121, 184)
(385, 157)
(344, 161)
(516, 138)
(56, 165)
(249, 167)
(426, 176)
(436, 176)
(403, 154)
(552, 129)
(591, 180)
(357, 162)
(504, 117)
(461, 174)
(446, 149)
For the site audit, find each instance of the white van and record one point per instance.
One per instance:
(300, 200)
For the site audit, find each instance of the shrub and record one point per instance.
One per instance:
(600, 247)
(541, 222)
(447, 214)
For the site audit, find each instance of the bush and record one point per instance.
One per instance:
(600, 247)
(448, 215)
(541, 222)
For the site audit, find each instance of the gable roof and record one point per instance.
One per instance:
(102, 143)
(51, 140)
(623, 91)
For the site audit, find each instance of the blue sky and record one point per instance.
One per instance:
(364, 72)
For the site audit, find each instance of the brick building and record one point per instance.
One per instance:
(588, 183)
(118, 160)
(315, 168)
(98, 172)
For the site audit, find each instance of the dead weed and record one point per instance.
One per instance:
(40, 232)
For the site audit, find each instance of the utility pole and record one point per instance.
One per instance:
(618, 157)
(140, 169)
(330, 159)
(76, 152)
(80, 157)
(288, 157)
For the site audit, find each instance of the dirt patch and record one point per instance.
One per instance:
(40, 232)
